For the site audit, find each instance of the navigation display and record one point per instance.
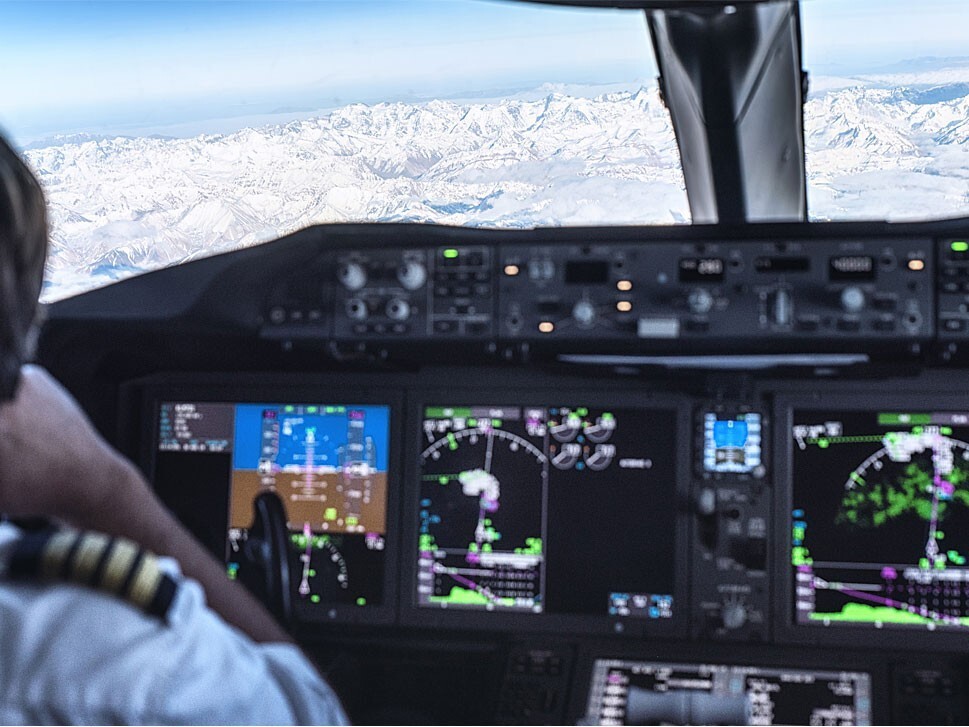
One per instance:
(880, 519)
(561, 509)
(635, 692)
(328, 464)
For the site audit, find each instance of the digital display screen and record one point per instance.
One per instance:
(327, 463)
(880, 519)
(782, 264)
(587, 272)
(701, 269)
(731, 444)
(851, 267)
(635, 692)
(559, 510)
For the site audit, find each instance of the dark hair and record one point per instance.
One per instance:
(23, 250)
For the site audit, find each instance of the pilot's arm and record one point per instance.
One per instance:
(70, 648)
(74, 655)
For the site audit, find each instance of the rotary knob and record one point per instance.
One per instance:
(541, 269)
(398, 310)
(733, 615)
(356, 309)
(412, 274)
(352, 276)
(852, 299)
(700, 301)
(584, 313)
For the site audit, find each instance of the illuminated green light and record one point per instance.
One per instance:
(311, 410)
(960, 246)
(361, 601)
(314, 598)
(450, 253)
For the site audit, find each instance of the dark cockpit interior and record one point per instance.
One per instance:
(678, 474)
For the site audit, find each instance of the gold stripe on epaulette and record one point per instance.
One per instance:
(119, 563)
(55, 553)
(88, 555)
(145, 583)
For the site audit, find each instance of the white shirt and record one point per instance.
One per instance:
(72, 655)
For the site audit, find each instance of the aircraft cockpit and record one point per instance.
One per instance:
(508, 470)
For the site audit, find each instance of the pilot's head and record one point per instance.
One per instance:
(23, 249)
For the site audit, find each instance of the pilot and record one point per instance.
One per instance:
(116, 615)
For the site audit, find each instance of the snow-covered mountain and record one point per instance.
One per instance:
(121, 205)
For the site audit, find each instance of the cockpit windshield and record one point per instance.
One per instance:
(886, 123)
(167, 131)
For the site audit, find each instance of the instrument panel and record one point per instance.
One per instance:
(789, 518)
(679, 500)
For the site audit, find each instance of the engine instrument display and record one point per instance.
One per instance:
(566, 510)
(880, 519)
(327, 463)
(634, 692)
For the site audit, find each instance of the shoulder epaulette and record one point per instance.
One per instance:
(114, 565)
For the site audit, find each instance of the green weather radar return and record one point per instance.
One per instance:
(880, 519)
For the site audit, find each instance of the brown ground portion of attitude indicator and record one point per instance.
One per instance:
(310, 504)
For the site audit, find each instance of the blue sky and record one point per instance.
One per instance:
(112, 66)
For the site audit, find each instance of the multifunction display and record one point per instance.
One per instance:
(880, 519)
(327, 463)
(548, 509)
(634, 692)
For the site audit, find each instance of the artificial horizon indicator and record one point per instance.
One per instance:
(328, 463)
(732, 444)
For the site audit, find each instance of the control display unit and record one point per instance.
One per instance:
(328, 463)
(564, 510)
(880, 519)
(637, 692)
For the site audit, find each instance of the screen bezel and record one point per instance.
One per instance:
(786, 629)
(297, 390)
(411, 614)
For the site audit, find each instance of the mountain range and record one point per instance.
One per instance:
(120, 205)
